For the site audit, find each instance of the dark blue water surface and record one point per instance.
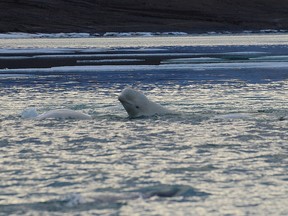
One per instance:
(223, 152)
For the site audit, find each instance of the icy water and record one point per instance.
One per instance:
(224, 151)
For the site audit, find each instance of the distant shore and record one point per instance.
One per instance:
(191, 16)
(24, 35)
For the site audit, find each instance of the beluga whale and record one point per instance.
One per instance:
(31, 113)
(137, 104)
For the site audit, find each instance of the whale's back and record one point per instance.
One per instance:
(64, 114)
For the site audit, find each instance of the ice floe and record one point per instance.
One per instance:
(111, 68)
(110, 60)
(4, 76)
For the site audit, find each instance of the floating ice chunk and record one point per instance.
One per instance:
(13, 76)
(13, 57)
(174, 33)
(15, 35)
(268, 31)
(200, 66)
(192, 60)
(272, 58)
(147, 34)
(116, 34)
(110, 60)
(38, 51)
(247, 32)
(245, 53)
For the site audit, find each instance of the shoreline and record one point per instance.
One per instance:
(24, 35)
(128, 53)
(146, 42)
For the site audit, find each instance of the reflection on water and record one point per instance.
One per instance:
(224, 152)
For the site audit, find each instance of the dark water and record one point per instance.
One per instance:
(223, 153)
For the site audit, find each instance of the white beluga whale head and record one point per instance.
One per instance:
(137, 104)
